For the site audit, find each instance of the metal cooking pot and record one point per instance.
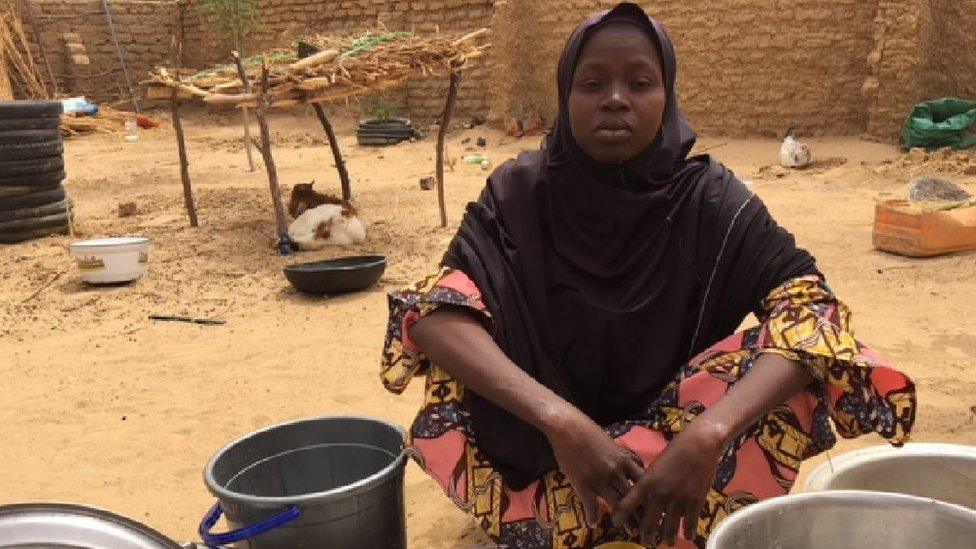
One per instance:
(946, 472)
(54, 525)
(847, 518)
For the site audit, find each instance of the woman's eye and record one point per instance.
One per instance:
(643, 84)
(590, 85)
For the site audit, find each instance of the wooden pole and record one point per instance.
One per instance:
(285, 243)
(441, 133)
(247, 139)
(336, 153)
(191, 209)
(246, 120)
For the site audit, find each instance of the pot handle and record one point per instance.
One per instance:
(211, 539)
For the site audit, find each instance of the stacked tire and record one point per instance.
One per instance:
(389, 131)
(33, 203)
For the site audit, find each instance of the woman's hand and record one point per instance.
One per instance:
(592, 461)
(675, 486)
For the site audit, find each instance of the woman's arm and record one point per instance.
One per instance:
(595, 464)
(677, 484)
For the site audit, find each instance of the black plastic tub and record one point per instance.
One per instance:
(335, 276)
(323, 483)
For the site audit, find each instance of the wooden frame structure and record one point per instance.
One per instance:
(267, 98)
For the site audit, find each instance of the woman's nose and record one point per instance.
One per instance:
(615, 100)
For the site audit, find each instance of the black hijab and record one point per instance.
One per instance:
(603, 280)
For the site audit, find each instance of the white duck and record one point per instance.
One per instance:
(328, 224)
(794, 154)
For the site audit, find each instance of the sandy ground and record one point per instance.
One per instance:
(102, 406)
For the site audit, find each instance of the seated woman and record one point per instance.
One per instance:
(584, 381)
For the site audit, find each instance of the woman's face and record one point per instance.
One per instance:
(618, 94)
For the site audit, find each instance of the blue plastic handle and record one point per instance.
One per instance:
(216, 540)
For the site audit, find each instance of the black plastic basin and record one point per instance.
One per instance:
(334, 276)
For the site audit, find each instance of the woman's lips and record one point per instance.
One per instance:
(613, 132)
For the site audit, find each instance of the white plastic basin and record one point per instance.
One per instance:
(111, 260)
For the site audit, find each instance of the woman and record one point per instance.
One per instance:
(583, 380)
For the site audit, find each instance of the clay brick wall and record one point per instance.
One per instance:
(746, 67)
(922, 51)
(144, 27)
(422, 98)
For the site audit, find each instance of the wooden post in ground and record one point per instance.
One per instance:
(247, 138)
(285, 243)
(441, 133)
(336, 153)
(191, 209)
(248, 142)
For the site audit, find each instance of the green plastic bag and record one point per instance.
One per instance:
(941, 123)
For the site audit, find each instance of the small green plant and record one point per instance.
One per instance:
(382, 108)
(235, 20)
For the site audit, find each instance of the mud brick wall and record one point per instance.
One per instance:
(923, 50)
(145, 29)
(422, 98)
(746, 67)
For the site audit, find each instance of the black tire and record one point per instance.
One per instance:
(11, 168)
(36, 211)
(386, 127)
(400, 122)
(386, 133)
(10, 192)
(377, 141)
(32, 200)
(29, 124)
(34, 180)
(30, 109)
(25, 224)
(30, 136)
(24, 151)
(24, 236)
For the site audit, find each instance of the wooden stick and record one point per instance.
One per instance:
(285, 244)
(441, 133)
(247, 123)
(45, 286)
(336, 153)
(191, 209)
(247, 139)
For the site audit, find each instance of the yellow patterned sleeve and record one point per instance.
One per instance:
(805, 322)
(402, 360)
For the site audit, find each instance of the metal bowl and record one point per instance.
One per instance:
(843, 518)
(54, 525)
(334, 276)
(946, 472)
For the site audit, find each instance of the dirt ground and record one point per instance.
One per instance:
(104, 407)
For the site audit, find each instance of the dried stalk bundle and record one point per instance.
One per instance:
(343, 68)
(15, 52)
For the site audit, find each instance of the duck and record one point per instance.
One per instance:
(794, 154)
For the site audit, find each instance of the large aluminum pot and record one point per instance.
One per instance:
(945, 472)
(54, 525)
(847, 518)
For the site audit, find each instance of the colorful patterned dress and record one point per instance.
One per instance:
(856, 392)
